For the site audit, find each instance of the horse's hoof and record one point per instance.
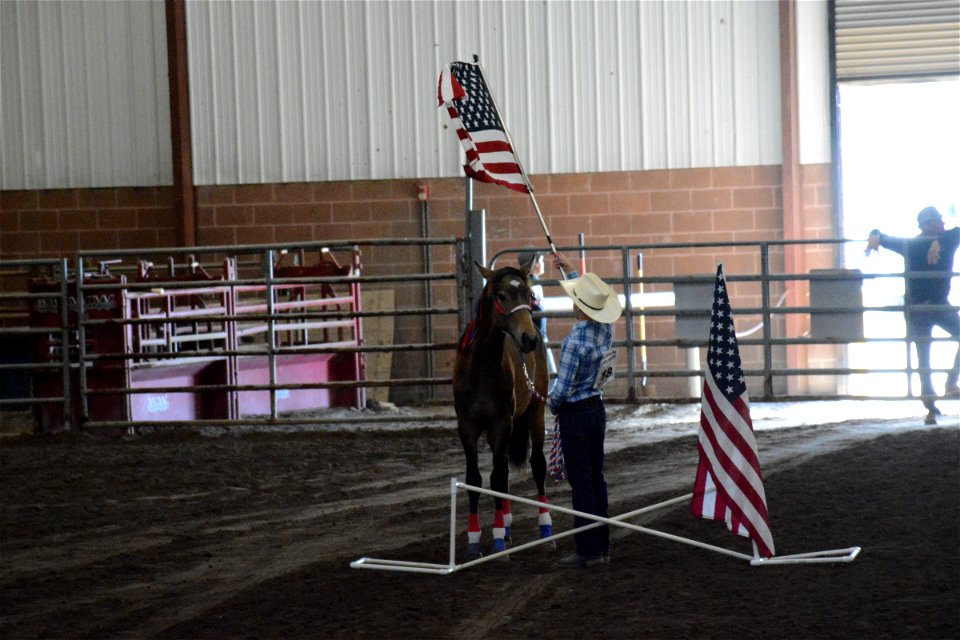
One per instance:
(498, 545)
(473, 551)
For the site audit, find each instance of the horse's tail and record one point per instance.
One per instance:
(517, 449)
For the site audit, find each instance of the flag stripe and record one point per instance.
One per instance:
(748, 525)
(489, 155)
(740, 457)
(726, 444)
(741, 483)
(449, 89)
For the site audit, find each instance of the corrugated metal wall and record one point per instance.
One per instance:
(813, 80)
(897, 39)
(286, 92)
(83, 94)
(337, 90)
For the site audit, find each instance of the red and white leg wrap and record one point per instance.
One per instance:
(473, 529)
(544, 519)
(498, 527)
(507, 514)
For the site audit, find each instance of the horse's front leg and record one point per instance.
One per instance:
(538, 467)
(474, 479)
(499, 481)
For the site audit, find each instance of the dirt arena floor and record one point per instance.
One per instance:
(251, 535)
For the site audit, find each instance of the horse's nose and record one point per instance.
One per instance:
(528, 343)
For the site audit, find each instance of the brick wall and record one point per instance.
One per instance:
(655, 207)
(57, 223)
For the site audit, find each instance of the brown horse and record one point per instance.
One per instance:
(499, 386)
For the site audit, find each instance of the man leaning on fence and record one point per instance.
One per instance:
(928, 264)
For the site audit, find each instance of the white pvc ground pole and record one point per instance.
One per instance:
(834, 555)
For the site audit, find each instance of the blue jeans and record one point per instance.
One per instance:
(919, 330)
(583, 426)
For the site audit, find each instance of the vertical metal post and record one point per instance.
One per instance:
(765, 308)
(427, 288)
(232, 341)
(462, 264)
(67, 422)
(81, 344)
(908, 352)
(628, 304)
(643, 324)
(581, 239)
(691, 359)
(183, 192)
(476, 251)
(453, 523)
(271, 338)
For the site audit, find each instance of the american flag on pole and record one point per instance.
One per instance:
(490, 156)
(728, 486)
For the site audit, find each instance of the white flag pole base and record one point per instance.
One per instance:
(814, 557)
(835, 555)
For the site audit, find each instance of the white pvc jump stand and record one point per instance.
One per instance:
(833, 555)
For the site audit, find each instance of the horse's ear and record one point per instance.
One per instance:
(526, 267)
(486, 273)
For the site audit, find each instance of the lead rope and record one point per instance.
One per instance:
(556, 449)
(555, 462)
(530, 386)
(556, 454)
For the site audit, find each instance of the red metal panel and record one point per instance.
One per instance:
(291, 369)
(195, 404)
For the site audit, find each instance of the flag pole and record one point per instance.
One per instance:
(523, 172)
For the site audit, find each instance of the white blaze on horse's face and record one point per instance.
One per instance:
(510, 293)
(513, 304)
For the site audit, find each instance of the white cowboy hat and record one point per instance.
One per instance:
(595, 297)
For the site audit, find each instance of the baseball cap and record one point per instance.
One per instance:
(928, 214)
(528, 256)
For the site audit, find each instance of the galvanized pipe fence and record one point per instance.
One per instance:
(621, 258)
(254, 308)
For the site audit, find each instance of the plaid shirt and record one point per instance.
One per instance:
(580, 358)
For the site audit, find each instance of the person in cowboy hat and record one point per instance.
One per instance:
(931, 252)
(576, 398)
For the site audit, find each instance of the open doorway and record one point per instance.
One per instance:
(899, 152)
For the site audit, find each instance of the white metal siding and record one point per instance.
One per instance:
(83, 94)
(813, 79)
(897, 38)
(338, 90)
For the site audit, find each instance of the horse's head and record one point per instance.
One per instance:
(507, 294)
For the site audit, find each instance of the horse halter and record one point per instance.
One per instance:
(523, 365)
(519, 307)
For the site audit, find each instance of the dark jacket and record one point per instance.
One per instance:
(925, 290)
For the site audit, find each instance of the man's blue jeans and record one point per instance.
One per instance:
(919, 330)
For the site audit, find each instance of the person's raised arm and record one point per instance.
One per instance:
(562, 263)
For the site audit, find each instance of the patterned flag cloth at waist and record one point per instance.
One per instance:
(728, 486)
(489, 154)
(555, 462)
